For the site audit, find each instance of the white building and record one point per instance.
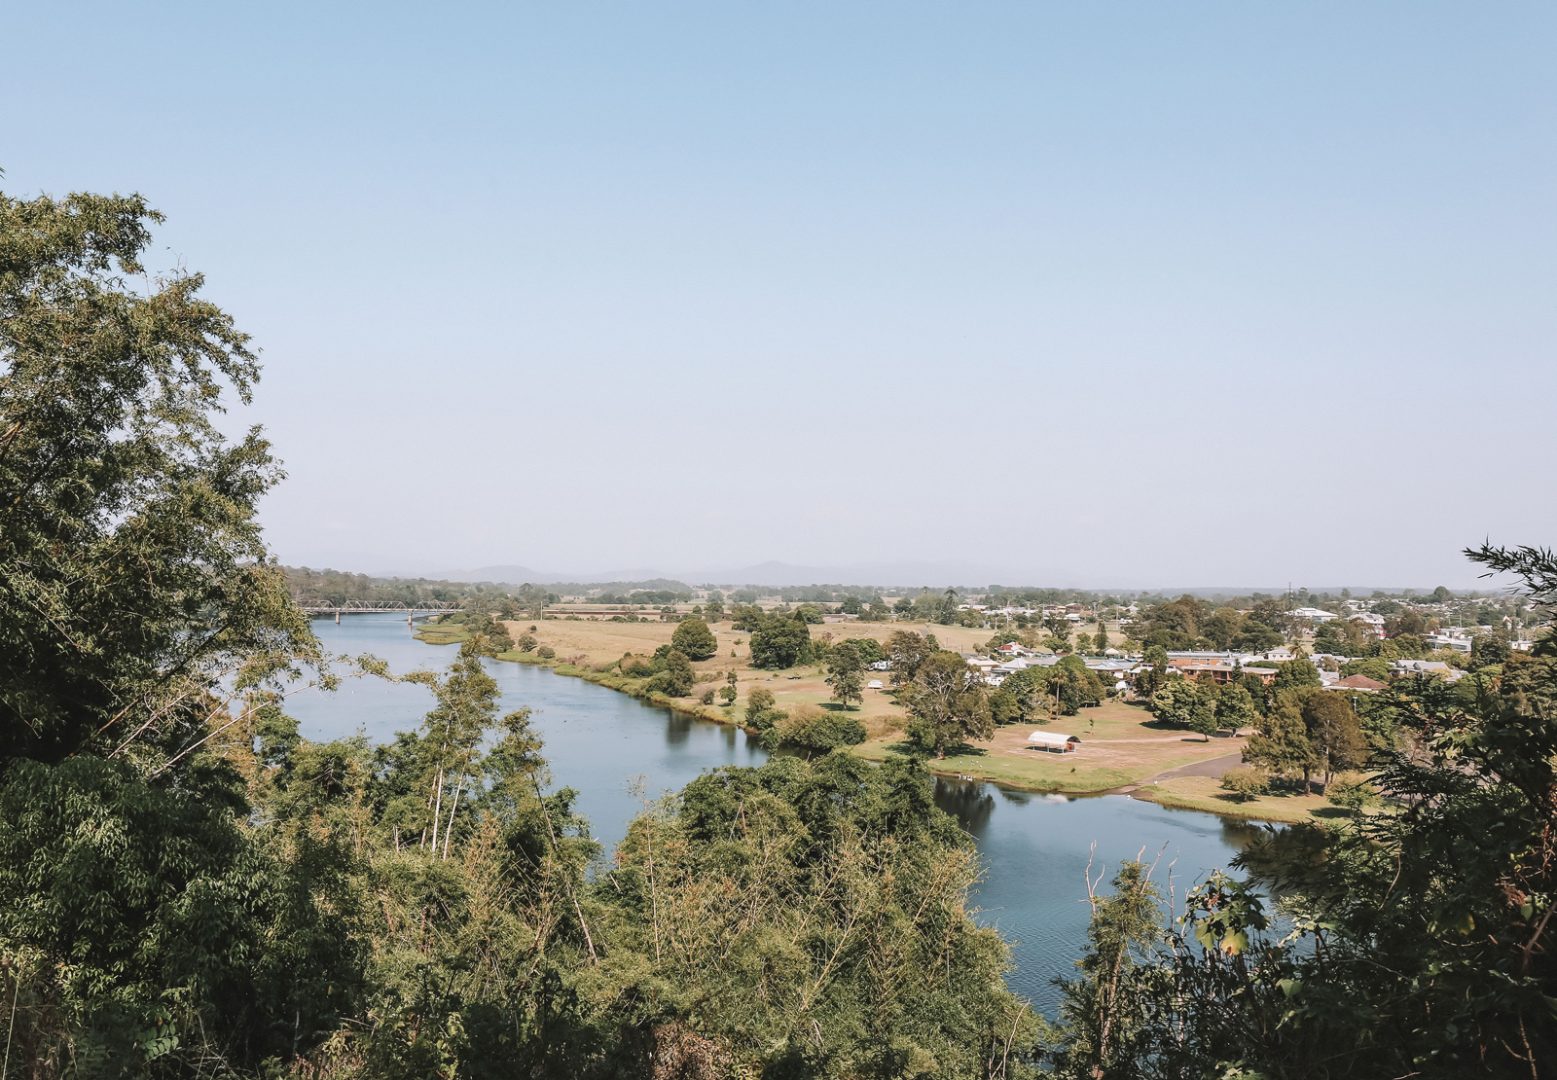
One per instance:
(1373, 623)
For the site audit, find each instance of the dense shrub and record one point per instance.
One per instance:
(1245, 783)
(811, 728)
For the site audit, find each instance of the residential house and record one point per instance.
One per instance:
(1448, 639)
(1374, 624)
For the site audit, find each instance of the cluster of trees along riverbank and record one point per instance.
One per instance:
(187, 888)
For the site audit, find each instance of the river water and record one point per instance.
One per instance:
(619, 753)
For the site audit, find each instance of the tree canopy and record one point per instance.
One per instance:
(779, 641)
(694, 639)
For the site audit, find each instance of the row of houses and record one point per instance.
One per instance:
(1113, 670)
(1074, 613)
(1117, 670)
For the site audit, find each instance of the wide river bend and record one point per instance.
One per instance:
(619, 752)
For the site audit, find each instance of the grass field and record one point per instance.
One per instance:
(1205, 793)
(594, 645)
(1120, 745)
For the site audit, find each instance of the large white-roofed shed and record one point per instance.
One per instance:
(1054, 741)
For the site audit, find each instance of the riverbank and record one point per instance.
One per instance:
(1062, 774)
(609, 677)
(1123, 751)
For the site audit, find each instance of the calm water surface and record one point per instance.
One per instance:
(618, 752)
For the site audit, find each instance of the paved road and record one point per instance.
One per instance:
(1213, 767)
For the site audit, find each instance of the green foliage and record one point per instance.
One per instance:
(1070, 686)
(1105, 1025)
(675, 677)
(1244, 784)
(694, 639)
(947, 704)
(906, 651)
(809, 614)
(810, 728)
(869, 649)
(1376, 669)
(1487, 651)
(189, 888)
(1022, 696)
(1235, 708)
(1187, 703)
(758, 701)
(1354, 795)
(837, 891)
(1281, 745)
(1157, 672)
(1295, 675)
(1334, 731)
(728, 694)
(1419, 939)
(137, 602)
(778, 641)
(1174, 624)
(845, 674)
(489, 636)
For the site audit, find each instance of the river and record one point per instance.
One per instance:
(619, 753)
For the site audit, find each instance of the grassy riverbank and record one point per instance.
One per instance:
(1205, 793)
(1123, 747)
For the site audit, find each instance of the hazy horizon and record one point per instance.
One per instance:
(873, 575)
(1111, 295)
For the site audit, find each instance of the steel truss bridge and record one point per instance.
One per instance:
(360, 607)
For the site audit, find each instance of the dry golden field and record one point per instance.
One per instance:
(595, 644)
(1122, 746)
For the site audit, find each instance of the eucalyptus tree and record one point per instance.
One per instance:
(947, 704)
(845, 674)
(450, 740)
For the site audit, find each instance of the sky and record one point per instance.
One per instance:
(1084, 294)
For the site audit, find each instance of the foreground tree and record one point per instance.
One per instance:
(806, 920)
(137, 601)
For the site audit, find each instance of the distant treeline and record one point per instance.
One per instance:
(317, 588)
(320, 587)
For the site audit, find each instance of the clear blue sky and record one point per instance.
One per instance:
(1131, 293)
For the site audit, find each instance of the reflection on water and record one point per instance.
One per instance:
(678, 728)
(1036, 852)
(968, 801)
(619, 753)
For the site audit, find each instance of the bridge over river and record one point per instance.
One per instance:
(412, 612)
